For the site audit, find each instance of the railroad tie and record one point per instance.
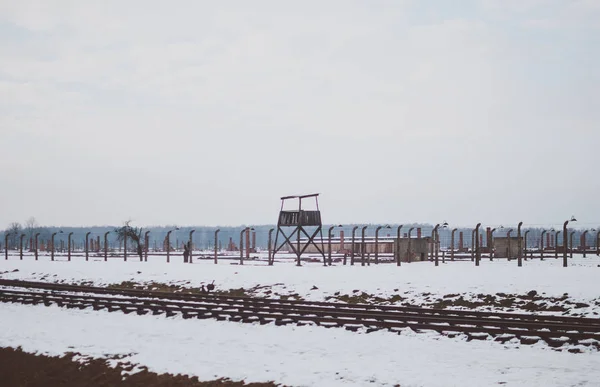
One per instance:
(502, 327)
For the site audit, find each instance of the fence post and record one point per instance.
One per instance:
(217, 244)
(106, 246)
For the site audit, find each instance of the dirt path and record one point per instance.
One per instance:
(18, 368)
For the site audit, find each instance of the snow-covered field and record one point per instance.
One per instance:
(416, 283)
(296, 356)
(310, 355)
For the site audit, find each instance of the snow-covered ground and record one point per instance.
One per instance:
(295, 356)
(311, 355)
(416, 283)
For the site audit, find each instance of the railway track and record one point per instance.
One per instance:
(528, 328)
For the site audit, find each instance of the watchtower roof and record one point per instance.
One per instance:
(299, 196)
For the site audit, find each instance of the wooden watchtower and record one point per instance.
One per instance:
(299, 222)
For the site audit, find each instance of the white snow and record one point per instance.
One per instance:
(309, 355)
(412, 281)
(297, 356)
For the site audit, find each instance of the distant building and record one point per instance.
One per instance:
(506, 247)
(386, 247)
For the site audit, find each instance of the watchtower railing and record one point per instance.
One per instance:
(299, 218)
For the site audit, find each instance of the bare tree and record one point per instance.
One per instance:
(15, 231)
(31, 227)
(131, 233)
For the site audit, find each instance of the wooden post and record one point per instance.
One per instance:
(525, 243)
(477, 246)
(565, 243)
(36, 245)
(508, 243)
(363, 246)
(353, 244)
(452, 244)
(190, 246)
(168, 246)
(87, 246)
(242, 246)
(519, 246)
(398, 237)
(216, 244)
(434, 253)
(248, 245)
(21, 246)
(270, 247)
(106, 246)
(328, 244)
(6, 245)
(52, 253)
(146, 245)
(377, 244)
(431, 245)
(408, 251)
(473, 245)
(438, 244)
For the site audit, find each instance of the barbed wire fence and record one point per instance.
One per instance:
(457, 240)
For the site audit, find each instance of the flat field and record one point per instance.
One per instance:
(313, 355)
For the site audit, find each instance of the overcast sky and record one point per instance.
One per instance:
(206, 112)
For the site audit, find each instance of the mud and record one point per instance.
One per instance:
(18, 368)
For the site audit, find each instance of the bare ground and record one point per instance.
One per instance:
(22, 369)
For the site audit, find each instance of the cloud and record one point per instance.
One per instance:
(377, 105)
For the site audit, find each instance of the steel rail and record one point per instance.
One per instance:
(526, 337)
(311, 304)
(335, 312)
(552, 334)
(265, 317)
